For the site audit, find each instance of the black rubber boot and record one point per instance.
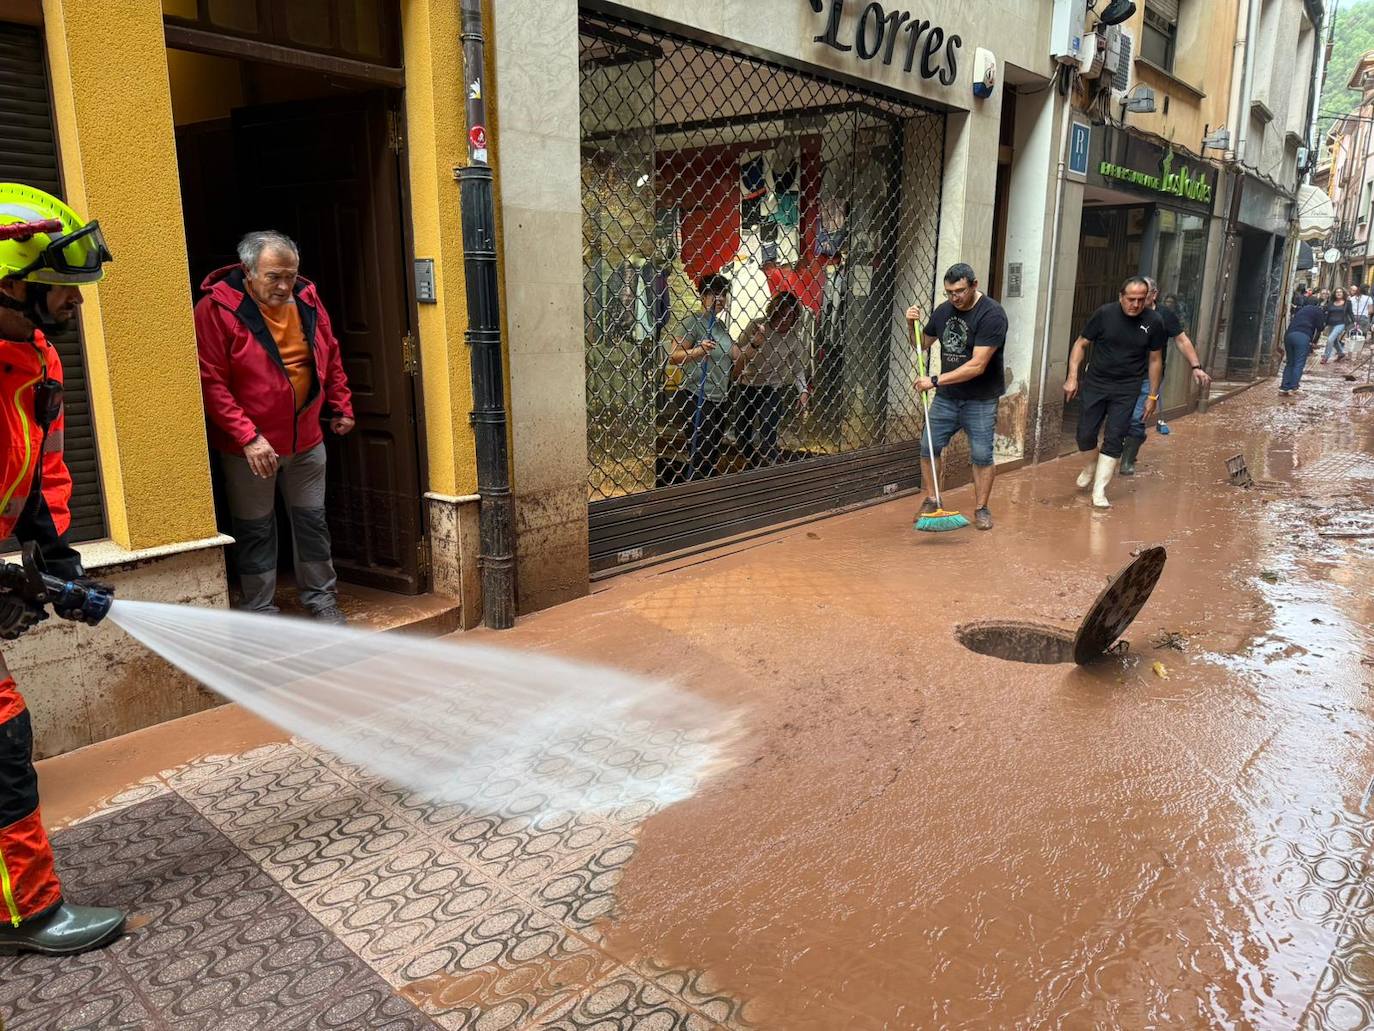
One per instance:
(63, 932)
(1130, 447)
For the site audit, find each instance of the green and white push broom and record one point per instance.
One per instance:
(938, 521)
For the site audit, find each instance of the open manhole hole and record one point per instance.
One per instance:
(1118, 604)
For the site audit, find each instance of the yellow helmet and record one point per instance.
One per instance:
(44, 241)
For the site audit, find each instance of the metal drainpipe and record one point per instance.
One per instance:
(484, 338)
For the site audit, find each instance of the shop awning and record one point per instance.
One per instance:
(1315, 214)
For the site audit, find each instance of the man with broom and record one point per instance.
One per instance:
(1127, 340)
(972, 329)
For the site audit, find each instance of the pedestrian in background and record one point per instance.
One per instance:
(269, 368)
(772, 360)
(1337, 320)
(1297, 345)
(1360, 306)
(1127, 341)
(1173, 330)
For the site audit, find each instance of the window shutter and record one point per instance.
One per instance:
(28, 154)
(1166, 9)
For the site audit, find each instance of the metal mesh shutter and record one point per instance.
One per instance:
(28, 154)
(817, 206)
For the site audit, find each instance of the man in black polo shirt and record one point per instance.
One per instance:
(972, 329)
(1173, 330)
(1127, 340)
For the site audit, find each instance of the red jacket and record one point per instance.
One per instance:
(247, 391)
(43, 515)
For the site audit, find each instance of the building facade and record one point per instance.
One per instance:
(822, 161)
(1347, 174)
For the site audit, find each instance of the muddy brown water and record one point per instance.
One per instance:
(917, 836)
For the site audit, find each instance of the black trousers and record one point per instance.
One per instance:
(1109, 403)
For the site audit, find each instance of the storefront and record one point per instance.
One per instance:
(818, 204)
(1147, 211)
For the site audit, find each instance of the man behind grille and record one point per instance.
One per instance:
(707, 355)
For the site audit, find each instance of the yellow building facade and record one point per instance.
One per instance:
(179, 125)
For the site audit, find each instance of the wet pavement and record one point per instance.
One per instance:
(911, 835)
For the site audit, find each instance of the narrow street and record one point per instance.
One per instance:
(909, 835)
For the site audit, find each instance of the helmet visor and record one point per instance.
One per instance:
(72, 259)
(79, 253)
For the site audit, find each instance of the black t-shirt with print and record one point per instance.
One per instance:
(959, 332)
(1121, 345)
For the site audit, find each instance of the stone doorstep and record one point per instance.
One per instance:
(368, 608)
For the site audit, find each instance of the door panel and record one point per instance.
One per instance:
(322, 172)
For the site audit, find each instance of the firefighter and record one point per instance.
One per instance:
(46, 254)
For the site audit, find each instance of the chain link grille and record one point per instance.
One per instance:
(815, 204)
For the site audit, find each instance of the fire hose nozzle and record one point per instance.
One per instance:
(82, 602)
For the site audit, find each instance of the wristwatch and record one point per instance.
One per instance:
(934, 381)
(1196, 367)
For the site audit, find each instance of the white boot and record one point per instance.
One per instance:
(1106, 469)
(1085, 478)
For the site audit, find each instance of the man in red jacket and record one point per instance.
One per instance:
(46, 254)
(269, 366)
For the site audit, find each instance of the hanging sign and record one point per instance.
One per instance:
(878, 33)
(1181, 183)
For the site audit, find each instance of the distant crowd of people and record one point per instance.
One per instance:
(1337, 313)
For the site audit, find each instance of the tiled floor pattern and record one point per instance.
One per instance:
(283, 889)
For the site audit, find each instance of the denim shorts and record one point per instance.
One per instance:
(978, 420)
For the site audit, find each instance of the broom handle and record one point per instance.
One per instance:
(925, 403)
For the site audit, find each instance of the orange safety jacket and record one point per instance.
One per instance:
(44, 515)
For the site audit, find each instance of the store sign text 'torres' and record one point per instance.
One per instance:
(927, 49)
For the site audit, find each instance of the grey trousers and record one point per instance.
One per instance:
(252, 502)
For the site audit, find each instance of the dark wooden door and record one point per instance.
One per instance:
(327, 174)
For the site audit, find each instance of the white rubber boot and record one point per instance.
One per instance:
(1106, 469)
(1085, 478)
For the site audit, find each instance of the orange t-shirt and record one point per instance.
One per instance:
(284, 323)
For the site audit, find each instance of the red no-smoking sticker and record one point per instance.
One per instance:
(477, 136)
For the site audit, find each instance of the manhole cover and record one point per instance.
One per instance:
(1118, 604)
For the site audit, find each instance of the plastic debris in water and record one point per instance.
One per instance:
(449, 721)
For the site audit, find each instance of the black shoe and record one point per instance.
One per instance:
(1129, 449)
(331, 614)
(63, 932)
(982, 519)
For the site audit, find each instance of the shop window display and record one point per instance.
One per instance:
(817, 204)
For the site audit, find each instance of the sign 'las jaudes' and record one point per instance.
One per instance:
(880, 34)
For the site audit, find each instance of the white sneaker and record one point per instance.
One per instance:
(1106, 469)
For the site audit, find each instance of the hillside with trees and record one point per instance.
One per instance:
(1354, 35)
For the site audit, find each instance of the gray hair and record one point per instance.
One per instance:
(252, 246)
(1150, 282)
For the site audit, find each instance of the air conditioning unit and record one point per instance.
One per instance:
(1111, 48)
(1093, 60)
(1067, 42)
(1119, 51)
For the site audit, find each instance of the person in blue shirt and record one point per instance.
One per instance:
(707, 354)
(1306, 323)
